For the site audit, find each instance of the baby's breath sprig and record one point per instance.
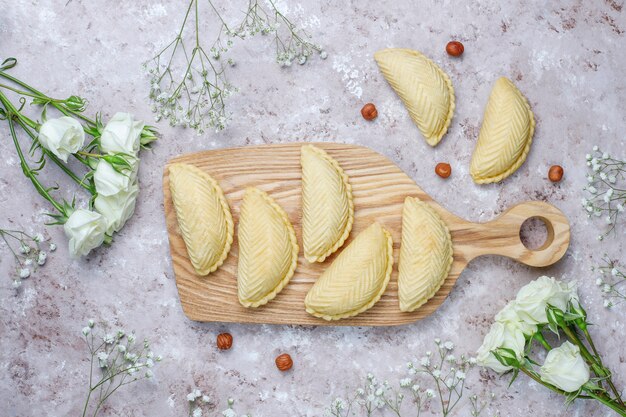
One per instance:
(27, 251)
(200, 402)
(188, 84)
(120, 359)
(612, 281)
(606, 188)
(444, 372)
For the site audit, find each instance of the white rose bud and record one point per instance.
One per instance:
(63, 136)
(121, 134)
(532, 300)
(117, 208)
(500, 336)
(565, 368)
(85, 230)
(109, 181)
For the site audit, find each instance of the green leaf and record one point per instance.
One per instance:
(514, 377)
(8, 64)
(506, 357)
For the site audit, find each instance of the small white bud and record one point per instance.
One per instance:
(86, 331)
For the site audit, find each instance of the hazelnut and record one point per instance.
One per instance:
(443, 170)
(369, 111)
(555, 173)
(455, 48)
(224, 341)
(284, 362)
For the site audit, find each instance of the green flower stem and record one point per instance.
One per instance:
(31, 175)
(609, 380)
(618, 408)
(539, 337)
(27, 123)
(594, 361)
(54, 102)
(534, 377)
(60, 163)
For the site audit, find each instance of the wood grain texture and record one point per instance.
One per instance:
(379, 189)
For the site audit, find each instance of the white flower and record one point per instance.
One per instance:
(500, 336)
(606, 288)
(379, 392)
(53, 247)
(24, 273)
(117, 209)
(86, 331)
(197, 412)
(565, 368)
(448, 345)
(614, 272)
(41, 258)
(415, 388)
(436, 373)
(109, 181)
(425, 361)
(229, 413)
(85, 230)
(108, 338)
(121, 348)
(206, 399)
(509, 316)
(460, 375)
(149, 374)
(608, 303)
(430, 393)
(599, 282)
(121, 134)
(405, 382)
(63, 136)
(17, 283)
(91, 323)
(191, 397)
(532, 300)
(451, 358)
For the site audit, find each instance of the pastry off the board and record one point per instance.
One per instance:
(356, 279)
(505, 135)
(327, 207)
(425, 254)
(203, 216)
(268, 250)
(424, 88)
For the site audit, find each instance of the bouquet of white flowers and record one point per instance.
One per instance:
(110, 156)
(575, 368)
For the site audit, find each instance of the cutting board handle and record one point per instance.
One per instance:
(501, 236)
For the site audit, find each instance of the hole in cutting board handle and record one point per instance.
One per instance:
(536, 233)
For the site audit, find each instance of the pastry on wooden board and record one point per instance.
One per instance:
(268, 249)
(327, 207)
(505, 135)
(424, 88)
(203, 216)
(356, 279)
(425, 254)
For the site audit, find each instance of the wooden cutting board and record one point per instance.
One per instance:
(379, 189)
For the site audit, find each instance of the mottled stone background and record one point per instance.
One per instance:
(566, 56)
